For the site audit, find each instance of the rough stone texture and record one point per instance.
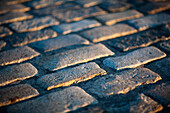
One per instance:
(88, 3)
(165, 46)
(29, 37)
(150, 21)
(121, 82)
(135, 58)
(13, 17)
(76, 15)
(155, 7)
(72, 57)
(10, 2)
(13, 8)
(2, 44)
(34, 24)
(17, 72)
(62, 101)
(59, 42)
(69, 76)
(166, 28)
(113, 18)
(76, 26)
(16, 93)
(141, 39)
(17, 55)
(4, 31)
(108, 32)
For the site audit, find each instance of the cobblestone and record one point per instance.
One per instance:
(60, 42)
(16, 93)
(34, 24)
(72, 57)
(135, 58)
(88, 3)
(2, 44)
(4, 31)
(17, 72)
(17, 55)
(63, 101)
(108, 32)
(10, 2)
(76, 26)
(121, 82)
(165, 46)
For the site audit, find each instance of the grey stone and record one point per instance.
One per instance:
(11, 2)
(60, 42)
(69, 76)
(17, 55)
(17, 72)
(34, 24)
(4, 31)
(66, 100)
(17, 93)
(165, 45)
(108, 32)
(88, 3)
(121, 82)
(72, 57)
(76, 26)
(135, 58)
(2, 44)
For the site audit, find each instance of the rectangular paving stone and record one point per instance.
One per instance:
(63, 101)
(34, 24)
(134, 58)
(11, 2)
(113, 18)
(13, 17)
(17, 72)
(29, 37)
(17, 93)
(108, 32)
(141, 39)
(88, 3)
(165, 45)
(4, 31)
(69, 76)
(72, 57)
(2, 44)
(59, 42)
(76, 26)
(121, 82)
(78, 14)
(150, 21)
(17, 55)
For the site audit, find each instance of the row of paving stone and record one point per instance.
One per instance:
(84, 33)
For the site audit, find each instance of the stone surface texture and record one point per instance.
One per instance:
(4, 31)
(165, 46)
(2, 44)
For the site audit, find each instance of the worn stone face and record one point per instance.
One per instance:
(17, 93)
(4, 31)
(76, 15)
(17, 72)
(76, 26)
(11, 2)
(72, 57)
(17, 55)
(121, 82)
(69, 76)
(135, 58)
(88, 3)
(108, 32)
(2, 44)
(66, 100)
(60, 42)
(113, 18)
(165, 45)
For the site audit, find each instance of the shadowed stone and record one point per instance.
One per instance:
(17, 93)
(88, 3)
(10, 2)
(2, 44)
(4, 31)
(135, 58)
(165, 45)
(66, 100)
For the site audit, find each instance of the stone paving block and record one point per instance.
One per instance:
(34, 24)
(121, 82)
(13, 17)
(76, 26)
(2, 44)
(108, 32)
(72, 57)
(17, 72)
(150, 21)
(13, 8)
(113, 18)
(17, 55)
(29, 37)
(63, 101)
(69, 76)
(155, 7)
(11, 2)
(135, 58)
(88, 3)
(17, 93)
(78, 14)
(4, 31)
(59, 42)
(141, 39)
(165, 46)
